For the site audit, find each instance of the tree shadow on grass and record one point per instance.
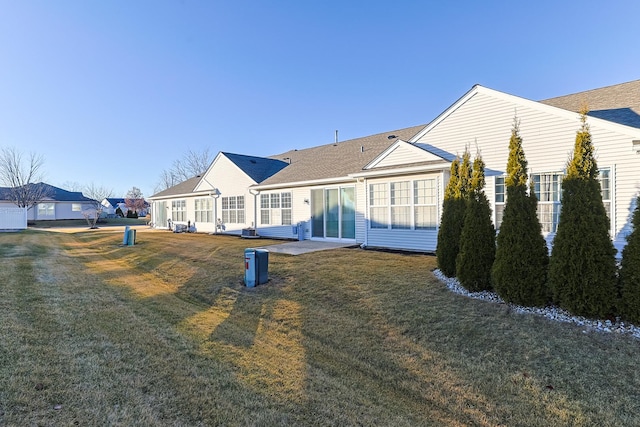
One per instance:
(240, 327)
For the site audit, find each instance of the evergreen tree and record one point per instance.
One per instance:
(630, 271)
(451, 224)
(477, 240)
(519, 272)
(582, 268)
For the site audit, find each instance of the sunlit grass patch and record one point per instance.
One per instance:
(165, 333)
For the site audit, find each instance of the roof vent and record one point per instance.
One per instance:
(391, 137)
(253, 161)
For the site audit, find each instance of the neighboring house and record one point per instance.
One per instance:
(386, 190)
(59, 204)
(220, 199)
(111, 205)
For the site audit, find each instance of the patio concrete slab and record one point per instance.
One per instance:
(305, 246)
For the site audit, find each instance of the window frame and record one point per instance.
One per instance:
(179, 210)
(276, 208)
(232, 210)
(398, 205)
(203, 208)
(549, 206)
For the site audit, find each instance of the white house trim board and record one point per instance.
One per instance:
(437, 167)
(402, 152)
(285, 185)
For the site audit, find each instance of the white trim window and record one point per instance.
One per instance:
(233, 210)
(203, 209)
(425, 204)
(500, 197)
(275, 209)
(76, 207)
(548, 189)
(378, 206)
(605, 186)
(46, 210)
(404, 205)
(400, 205)
(178, 210)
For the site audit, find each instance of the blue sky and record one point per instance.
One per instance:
(111, 92)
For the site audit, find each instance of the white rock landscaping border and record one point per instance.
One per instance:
(551, 312)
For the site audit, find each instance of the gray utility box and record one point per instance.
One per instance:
(256, 267)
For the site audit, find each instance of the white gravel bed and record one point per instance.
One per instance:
(551, 312)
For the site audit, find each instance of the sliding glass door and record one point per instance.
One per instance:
(334, 213)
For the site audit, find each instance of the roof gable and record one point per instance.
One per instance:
(515, 102)
(402, 153)
(256, 168)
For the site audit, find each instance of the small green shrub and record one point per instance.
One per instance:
(630, 271)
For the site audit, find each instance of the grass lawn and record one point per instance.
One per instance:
(164, 333)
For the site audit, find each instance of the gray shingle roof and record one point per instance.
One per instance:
(618, 103)
(257, 168)
(336, 160)
(185, 187)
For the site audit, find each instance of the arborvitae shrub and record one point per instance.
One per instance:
(519, 272)
(477, 240)
(449, 235)
(582, 268)
(630, 271)
(453, 208)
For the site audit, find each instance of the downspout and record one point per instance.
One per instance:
(366, 216)
(255, 193)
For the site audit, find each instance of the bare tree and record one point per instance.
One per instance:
(192, 164)
(73, 186)
(22, 177)
(97, 194)
(134, 201)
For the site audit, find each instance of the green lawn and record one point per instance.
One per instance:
(164, 333)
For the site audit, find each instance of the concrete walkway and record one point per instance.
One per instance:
(305, 246)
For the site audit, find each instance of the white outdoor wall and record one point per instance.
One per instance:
(484, 123)
(12, 217)
(414, 240)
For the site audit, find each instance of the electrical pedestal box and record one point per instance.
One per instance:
(256, 267)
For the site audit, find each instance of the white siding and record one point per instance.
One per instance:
(12, 217)
(300, 212)
(413, 240)
(484, 123)
(361, 211)
(404, 154)
(230, 181)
